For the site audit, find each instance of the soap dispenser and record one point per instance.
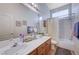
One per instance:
(21, 39)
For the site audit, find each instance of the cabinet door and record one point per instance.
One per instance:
(42, 52)
(47, 49)
(48, 46)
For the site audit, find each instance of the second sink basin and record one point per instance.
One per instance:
(14, 50)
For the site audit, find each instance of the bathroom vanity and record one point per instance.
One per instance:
(39, 46)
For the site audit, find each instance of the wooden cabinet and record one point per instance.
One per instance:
(43, 49)
(48, 46)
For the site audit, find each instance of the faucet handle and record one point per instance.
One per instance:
(15, 45)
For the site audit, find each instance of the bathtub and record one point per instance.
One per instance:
(66, 44)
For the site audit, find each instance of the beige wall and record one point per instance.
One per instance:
(52, 28)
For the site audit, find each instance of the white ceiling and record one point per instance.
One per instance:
(55, 5)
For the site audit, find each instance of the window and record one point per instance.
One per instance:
(61, 14)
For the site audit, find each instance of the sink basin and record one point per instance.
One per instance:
(12, 50)
(30, 38)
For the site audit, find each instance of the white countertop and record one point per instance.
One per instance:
(27, 47)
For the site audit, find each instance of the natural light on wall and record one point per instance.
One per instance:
(61, 14)
(40, 18)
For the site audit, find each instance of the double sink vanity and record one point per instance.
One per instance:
(38, 46)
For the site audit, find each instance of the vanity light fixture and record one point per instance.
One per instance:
(33, 7)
